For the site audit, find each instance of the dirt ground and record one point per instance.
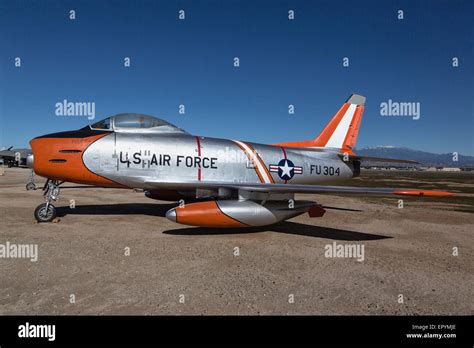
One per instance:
(408, 265)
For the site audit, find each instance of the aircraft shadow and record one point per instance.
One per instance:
(343, 209)
(283, 227)
(117, 209)
(160, 210)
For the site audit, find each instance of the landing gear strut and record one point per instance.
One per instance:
(46, 212)
(30, 185)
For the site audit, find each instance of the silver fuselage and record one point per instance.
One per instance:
(135, 159)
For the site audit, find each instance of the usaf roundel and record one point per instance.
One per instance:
(286, 169)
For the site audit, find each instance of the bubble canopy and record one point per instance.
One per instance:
(136, 123)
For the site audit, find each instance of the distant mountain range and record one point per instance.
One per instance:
(424, 158)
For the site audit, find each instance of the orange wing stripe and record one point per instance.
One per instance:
(423, 193)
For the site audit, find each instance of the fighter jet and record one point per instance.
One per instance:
(218, 182)
(14, 157)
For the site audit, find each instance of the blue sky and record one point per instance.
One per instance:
(282, 62)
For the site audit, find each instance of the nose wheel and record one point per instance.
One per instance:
(46, 212)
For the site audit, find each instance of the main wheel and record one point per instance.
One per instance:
(43, 215)
(30, 186)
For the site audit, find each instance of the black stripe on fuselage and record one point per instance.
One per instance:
(80, 133)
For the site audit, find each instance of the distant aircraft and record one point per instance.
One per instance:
(18, 158)
(14, 157)
(219, 183)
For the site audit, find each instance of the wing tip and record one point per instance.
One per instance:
(424, 193)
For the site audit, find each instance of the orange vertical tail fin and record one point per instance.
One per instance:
(341, 132)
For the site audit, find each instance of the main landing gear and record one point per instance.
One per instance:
(30, 185)
(46, 212)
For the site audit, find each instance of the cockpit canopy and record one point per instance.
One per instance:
(136, 123)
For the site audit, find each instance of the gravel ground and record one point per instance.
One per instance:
(281, 269)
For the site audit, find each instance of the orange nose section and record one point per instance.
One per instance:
(60, 158)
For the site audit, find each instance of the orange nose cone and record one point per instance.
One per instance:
(59, 157)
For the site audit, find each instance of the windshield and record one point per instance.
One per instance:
(136, 123)
(104, 124)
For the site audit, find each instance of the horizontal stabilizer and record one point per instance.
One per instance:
(378, 159)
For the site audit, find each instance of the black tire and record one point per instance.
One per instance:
(30, 186)
(41, 215)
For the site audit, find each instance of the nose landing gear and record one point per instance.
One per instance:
(46, 212)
